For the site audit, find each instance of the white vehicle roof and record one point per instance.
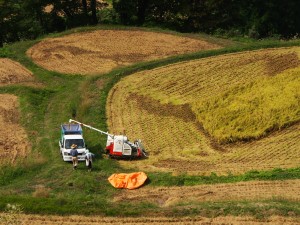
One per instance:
(75, 136)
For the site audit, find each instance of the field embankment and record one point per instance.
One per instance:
(103, 50)
(189, 120)
(81, 220)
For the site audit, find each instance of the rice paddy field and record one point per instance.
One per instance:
(12, 72)
(14, 143)
(222, 114)
(103, 50)
(219, 119)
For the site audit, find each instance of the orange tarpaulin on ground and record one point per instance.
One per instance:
(128, 180)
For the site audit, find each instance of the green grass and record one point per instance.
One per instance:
(167, 179)
(64, 96)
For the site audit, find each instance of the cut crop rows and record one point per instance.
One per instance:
(103, 50)
(160, 107)
(14, 143)
(12, 72)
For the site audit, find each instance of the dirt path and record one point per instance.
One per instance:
(102, 50)
(253, 190)
(72, 220)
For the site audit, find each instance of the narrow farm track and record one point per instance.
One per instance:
(253, 190)
(103, 50)
(162, 114)
(90, 220)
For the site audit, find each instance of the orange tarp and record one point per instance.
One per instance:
(128, 180)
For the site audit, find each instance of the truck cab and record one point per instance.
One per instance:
(72, 134)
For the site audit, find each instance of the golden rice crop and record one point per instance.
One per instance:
(253, 110)
(165, 107)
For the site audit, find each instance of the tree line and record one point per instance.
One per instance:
(21, 20)
(254, 18)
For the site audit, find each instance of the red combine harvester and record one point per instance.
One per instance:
(119, 146)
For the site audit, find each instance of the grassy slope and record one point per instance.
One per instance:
(80, 192)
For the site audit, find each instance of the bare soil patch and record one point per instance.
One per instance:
(103, 50)
(279, 63)
(13, 138)
(89, 220)
(12, 72)
(153, 106)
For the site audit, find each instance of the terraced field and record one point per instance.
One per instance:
(168, 108)
(14, 142)
(196, 117)
(12, 72)
(103, 50)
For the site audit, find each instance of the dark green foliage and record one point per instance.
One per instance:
(20, 20)
(127, 10)
(108, 16)
(252, 18)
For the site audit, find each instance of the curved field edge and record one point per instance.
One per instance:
(102, 50)
(262, 84)
(157, 111)
(53, 174)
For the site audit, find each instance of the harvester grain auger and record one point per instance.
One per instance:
(119, 145)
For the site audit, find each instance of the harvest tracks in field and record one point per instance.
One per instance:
(103, 50)
(162, 108)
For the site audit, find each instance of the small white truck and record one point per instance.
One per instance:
(72, 134)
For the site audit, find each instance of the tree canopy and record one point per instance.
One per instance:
(28, 19)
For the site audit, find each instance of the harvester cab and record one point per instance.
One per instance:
(119, 146)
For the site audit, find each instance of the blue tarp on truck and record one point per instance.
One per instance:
(67, 129)
(71, 134)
